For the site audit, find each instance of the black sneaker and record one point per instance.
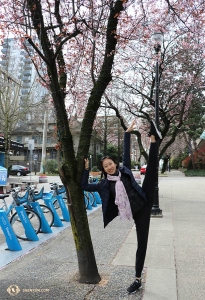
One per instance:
(154, 131)
(134, 286)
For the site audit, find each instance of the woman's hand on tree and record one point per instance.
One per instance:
(131, 127)
(86, 163)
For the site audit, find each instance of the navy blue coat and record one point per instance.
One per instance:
(103, 186)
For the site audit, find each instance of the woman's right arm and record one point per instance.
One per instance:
(126, 152)
(90, 187)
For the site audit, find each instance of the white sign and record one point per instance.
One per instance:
(30, 144)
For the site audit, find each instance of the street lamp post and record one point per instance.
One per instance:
(157, 39)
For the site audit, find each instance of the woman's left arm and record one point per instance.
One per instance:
(90, 187)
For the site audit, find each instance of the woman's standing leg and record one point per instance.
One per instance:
(142, 218)
(142, 222)
(149, 182)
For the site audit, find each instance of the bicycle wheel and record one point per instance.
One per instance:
(47, 211)
(92, 198)
(86, 200)
(18, 226)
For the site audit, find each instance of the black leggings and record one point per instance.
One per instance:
(142, 218)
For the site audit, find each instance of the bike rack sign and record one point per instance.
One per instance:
(65, 213)
(49, 202)
(29, 230)
(45, 228)
(3, 176)
(11, 239)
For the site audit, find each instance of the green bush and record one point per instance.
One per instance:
(51, 166)
(176, 162)
(191, 173)
(95, 169)
(134, 163)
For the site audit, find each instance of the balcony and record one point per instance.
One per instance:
(4, 50)
(25, 85)
(27, 67)
(24, 92)
(17, 158)
(27, 62)
(25, 79)
(26, 74)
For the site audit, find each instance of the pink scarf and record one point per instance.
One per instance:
(121, 198)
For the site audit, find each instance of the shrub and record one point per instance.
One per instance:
(134, 163)
(191, 173)
(95, 169)
(186, 163)
(175, 163)
(51, 166)
(199, 158)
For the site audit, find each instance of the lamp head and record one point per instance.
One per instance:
(157, 38)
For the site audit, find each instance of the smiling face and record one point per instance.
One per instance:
(109, 166)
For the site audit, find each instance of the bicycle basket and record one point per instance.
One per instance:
(61, 190)
(39, 195)
(23, 199)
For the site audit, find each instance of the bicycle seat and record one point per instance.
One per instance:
(2, 196)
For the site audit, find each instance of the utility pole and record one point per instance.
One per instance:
(158, 39)
(30, 148)
(105, 134)
(44, 142)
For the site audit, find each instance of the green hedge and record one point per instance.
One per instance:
(191, 173)
(51, 166)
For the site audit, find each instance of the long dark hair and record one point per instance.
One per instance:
(103, 173)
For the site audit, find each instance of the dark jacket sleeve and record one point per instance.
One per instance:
(90, 187)
(126, 151)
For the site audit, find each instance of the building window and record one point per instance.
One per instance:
(19, 138)
(35, 138)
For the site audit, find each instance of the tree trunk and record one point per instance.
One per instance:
(164, 166)
(88, 272)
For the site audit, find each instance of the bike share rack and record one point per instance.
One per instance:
(48, 199)
(97, 198)
(65, 213)
(45, 228)
(29, 230)
(89, 206)
(11, 239)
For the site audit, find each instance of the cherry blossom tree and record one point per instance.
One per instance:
(74, 46)
(80, 49)
(181, 71)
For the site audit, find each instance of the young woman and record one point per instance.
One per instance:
(121, 195)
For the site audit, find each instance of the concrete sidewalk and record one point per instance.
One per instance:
(175, 258)
(174, 266)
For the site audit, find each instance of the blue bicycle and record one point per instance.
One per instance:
(34, 196)
(15, 220)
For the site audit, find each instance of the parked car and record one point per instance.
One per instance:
(18, 170)
(143, 170)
